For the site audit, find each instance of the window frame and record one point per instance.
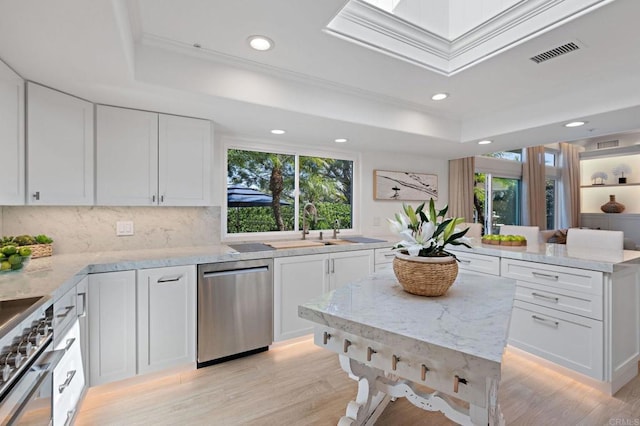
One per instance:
(295, 151)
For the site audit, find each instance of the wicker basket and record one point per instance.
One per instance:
(40, 250)
(425, 276)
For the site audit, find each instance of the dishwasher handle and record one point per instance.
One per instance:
(253, 270)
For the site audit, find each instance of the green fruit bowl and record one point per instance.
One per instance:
(13, 263)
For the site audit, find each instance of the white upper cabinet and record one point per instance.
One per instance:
(146, 158)
(59, 148)
(11, 136)
(185, 146)
(127, 157)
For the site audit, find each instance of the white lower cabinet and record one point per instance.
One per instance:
(68, 377)
(297, 279)
(112, 326)
(477, 263)
(141, 321)
(166, 317)
(569, 340)
(383, 258)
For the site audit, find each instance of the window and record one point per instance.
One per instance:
(514, 155)
(551, 195)
(262, 190)
(549, 159)
(502, 207)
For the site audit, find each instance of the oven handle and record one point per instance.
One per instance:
(45, 367)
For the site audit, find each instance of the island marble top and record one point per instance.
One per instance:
(471, 318)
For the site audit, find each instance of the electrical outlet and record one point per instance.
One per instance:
(124, 228)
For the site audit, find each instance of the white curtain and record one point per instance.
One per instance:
(569, 192)
(461, 180)
(534, 183)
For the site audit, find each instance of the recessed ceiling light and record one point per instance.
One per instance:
(261, 43)
(575, 124)
(440, 96)
(484, 142)
(341, 140)
(278, 132)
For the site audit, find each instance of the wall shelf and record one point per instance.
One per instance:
(618, 185)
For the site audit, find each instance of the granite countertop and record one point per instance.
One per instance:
(471, 318)
(561, 255)
(56, 274)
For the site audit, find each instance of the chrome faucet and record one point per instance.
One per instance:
(336, 231)
(308, 210)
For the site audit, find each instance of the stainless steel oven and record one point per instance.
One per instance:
(27, 361)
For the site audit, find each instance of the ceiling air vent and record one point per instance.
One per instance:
(555, 52)
(607, 144)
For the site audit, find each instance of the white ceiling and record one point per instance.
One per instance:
(139, 54)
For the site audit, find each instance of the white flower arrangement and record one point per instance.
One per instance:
(427, 234)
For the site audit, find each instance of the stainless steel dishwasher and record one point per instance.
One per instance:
(235, 309)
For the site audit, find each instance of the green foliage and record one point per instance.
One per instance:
(325, 182)
(260, 219)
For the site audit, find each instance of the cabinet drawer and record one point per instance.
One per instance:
(64, 313)
(384, 255)
(588, 305)
(579, 280)
(68, 377)
(478, 263)
(568, 340)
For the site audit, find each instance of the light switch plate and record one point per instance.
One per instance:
(124, 228)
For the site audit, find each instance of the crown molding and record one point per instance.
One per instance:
(369, 26)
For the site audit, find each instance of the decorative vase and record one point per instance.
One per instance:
(425, 276)
(612, 206)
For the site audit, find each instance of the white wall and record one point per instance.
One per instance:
(374, 213)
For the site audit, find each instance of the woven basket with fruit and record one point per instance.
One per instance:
(15, 251)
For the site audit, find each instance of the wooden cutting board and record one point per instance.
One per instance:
(294, 244)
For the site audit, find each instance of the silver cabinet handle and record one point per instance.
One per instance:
(36, 195)
(545, 297)
(545, 276)
(84, 305)
(466, 262)
(333, 266)
(328, 270)
(390, 255)
(70, 415)
(170, 279)
(162, 198)
(69, 344)
(153, 198)
(67, 310)
(554, 324)
(67, 382)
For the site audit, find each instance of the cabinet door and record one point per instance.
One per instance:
(11, 137)
(112, 326)
(349, 266)
(185, 147)
(59, 148)
(296, 280)
(127, 157)
(166, 317)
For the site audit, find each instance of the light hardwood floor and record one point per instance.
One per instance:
(301, 384)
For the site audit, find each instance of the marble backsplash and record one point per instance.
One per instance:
(91, 229)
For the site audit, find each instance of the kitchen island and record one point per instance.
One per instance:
(577, 309)
(390, 340)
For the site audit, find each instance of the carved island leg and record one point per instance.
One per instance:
(489, 414)
(369, 403)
